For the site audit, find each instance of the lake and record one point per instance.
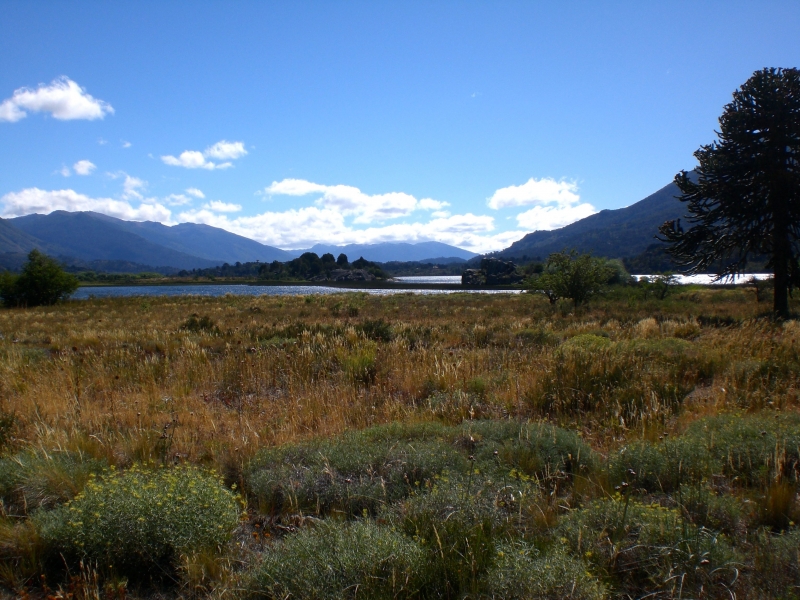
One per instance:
(117, 291)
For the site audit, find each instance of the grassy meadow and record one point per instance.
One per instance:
(405, 446)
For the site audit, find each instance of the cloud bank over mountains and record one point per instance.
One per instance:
(338, 214)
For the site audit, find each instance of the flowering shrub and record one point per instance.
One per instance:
(143, 518)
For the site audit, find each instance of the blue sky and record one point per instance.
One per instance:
(470, 123)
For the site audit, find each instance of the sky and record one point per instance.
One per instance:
(295, 123)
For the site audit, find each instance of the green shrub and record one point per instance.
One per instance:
(535, 449)
(351, 473)
(139, 522)
(197, 324)
(460, 525)
(339, 560)
(377, 330)
(522, 572)
(776, 564)
(38, 479)
(643, 549)
(751, 450)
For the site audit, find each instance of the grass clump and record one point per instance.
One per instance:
(138, 523)
(340, 560)
(642, 548)
(749, 450)
(539, 450)
(352, 473)
(36, 479)
(522, 572)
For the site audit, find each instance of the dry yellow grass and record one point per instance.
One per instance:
(122, 379)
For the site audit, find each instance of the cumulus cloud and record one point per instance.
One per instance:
(63, 99)
(65, 171)
(34, 200)
(304, 227)
(218, 206)
(126, 144)
(541, 218)
(536, 191)
(84, 167)
(351, 201)
(557, 203)
(225, 150)
(195, 192)
(194, 159)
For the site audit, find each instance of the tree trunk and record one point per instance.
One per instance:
(781, 256)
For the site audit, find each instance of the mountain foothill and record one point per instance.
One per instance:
(98, 242)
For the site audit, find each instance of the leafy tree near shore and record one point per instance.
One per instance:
(574, 276)
(42, 282)
(745, 201)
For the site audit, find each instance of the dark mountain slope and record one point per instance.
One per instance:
(16, 241)
(85, 236)
(204, 241)
(616, 233)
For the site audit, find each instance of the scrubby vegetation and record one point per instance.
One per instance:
(404, 446)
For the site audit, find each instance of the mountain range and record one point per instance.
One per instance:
(96, 241)
(620, 233)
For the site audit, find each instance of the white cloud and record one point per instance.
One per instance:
(225, 150)
(535, 191)
(34, 200)
(65, 171)
(63, 99)
(177, 200)
(84, 167)
(304, 227)
(194, 159)
(195, 192)
(126, 144)
(351, 201)
(552, 217)
(218, 206)
(557, 203)
(131, 186)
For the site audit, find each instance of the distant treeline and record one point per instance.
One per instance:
(307, 266)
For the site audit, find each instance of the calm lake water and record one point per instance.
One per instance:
(265, 290)
(302, 290)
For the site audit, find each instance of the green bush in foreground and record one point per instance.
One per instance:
(353, 473)
(522, 572)
(139, 522)
(648, 548)
(750, 450)
(340, 560)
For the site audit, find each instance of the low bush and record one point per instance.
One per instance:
(352, 473)
(522, 572)
(750, 450)
(648, 549)
(340, 560)
(534, 449)
(139, 522)
(776, 562)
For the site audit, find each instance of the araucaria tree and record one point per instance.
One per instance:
(745, 199)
